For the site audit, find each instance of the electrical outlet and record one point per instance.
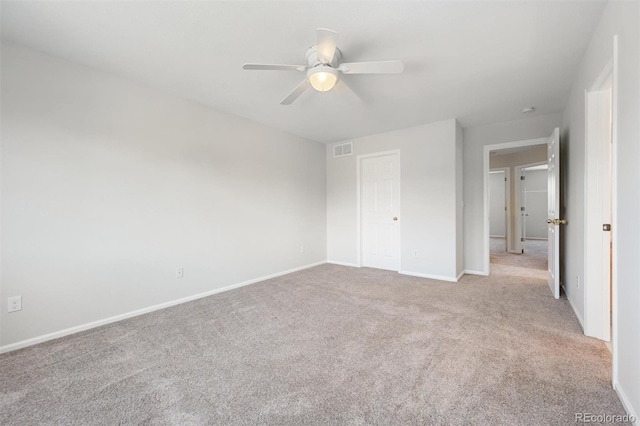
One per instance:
(179, 272)
(14, 304)
(301, 249)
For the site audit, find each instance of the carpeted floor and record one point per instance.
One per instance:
(534, 256)
(328, 345)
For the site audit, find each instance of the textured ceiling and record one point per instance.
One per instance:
(480, 61)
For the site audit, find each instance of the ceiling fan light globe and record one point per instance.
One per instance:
(323, 79)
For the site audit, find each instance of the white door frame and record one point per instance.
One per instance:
(614, 214)
(517, 248)
(485, 192)
(507, 200)
(359, 159)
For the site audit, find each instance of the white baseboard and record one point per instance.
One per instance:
(575, 312)
(496, 236)
(335, 262)
(626, 403)
(472, 272)
(433, 277)
(459, 276)
(57, 334)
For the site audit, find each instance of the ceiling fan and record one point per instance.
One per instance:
(323, 66)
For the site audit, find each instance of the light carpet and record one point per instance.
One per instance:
(534, 256)
(327, 345)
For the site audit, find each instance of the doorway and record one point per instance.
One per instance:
(530, 230)
(520, 154)
(379, 188)
(510, 157)
(550, 147)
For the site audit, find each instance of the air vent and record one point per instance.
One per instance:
(342, 149)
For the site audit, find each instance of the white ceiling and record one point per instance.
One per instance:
(479, 61)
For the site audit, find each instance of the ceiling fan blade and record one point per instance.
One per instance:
(274, 67)
(379, 67)
(295, 93)
(344, 90)
(327, 42)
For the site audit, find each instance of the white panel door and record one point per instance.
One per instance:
(604, 192)
(380, 191)
(597, 278)
(553, 203)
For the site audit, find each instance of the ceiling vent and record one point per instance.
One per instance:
(342, 149)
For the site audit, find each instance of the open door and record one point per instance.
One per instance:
(553, 203)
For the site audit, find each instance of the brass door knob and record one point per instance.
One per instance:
(395, 218)
(557, 221)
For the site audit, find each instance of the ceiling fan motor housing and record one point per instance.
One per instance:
(312, 58)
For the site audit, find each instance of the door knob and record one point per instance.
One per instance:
(395, 218)
(557, 221)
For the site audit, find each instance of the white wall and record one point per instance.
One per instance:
(475, 138)
(497, 204)
(428, 197)
(108, 186)
(623, 19)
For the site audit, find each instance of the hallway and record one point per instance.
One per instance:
(534, 257)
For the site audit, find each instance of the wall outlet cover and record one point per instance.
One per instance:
(14, 304)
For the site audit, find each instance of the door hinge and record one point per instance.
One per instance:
(606, 227)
